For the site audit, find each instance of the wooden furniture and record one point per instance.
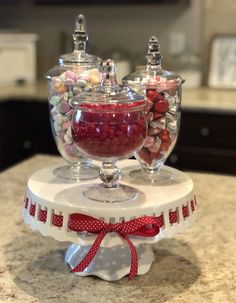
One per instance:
(207, 142)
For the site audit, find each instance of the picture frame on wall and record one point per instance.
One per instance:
(222, 62)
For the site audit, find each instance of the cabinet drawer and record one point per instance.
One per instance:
(204, 159)
(15, 149)
(204, 130)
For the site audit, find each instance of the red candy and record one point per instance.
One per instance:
(153, 95)
(157, 115)
(144, 154)
(109, 134)
(164, 146)
(162, 106)
(158, 140)
(148, 156)
(154, 156)
(164, 135)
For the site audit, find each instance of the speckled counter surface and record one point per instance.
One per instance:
(197, 266)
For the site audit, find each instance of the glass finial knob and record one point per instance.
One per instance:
(80, 35)
(154, 55)
(109, 81)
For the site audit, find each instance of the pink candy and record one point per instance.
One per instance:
(64, 107)
(70, 75)
(70, 112)
(66, 124)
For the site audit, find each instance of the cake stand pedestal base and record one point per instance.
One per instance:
(105, 265)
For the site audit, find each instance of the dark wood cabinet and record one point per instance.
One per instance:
(24, 131)
(207, 140)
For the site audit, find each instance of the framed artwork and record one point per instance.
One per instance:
(222, 63)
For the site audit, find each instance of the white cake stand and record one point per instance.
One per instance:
(49, 202)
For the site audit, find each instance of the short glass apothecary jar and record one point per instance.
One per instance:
(108, 125)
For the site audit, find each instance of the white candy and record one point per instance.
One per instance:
(54, 100)
(65, 96)
(68, 132)
(62, 77)
(57, 127)
(77, 90)
(59, 119)
(173, 109)
(65, 118)
(68, 139)
(82, 83)
(172, 100)
(159, 123)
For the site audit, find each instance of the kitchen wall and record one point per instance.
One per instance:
(220, 18)
(122, 27)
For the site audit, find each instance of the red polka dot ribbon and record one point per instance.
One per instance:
(144, 226)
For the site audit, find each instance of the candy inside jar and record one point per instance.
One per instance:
(163, 93)
(110, 131)
(76, 73)
(163, 116)
(109, 124)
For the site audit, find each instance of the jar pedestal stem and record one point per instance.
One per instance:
(110, 191)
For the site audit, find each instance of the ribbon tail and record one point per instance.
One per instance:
(134, 258)
(91, 253)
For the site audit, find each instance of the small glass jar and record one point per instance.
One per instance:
(76, 72)
(163, 93)
(109, 124)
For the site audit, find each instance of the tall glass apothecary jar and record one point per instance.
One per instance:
(163, 93)
(75, 73)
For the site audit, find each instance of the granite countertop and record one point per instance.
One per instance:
(193, 99)
(197, 266)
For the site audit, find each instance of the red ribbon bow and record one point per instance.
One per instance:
(144, 226)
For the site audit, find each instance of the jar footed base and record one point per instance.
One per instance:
(151, 176)
(77, 173)
(121, 193)
(110, 264)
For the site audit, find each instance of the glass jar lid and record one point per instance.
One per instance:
(153, 72)
(80, 38)
(108, 94)
(78, 60)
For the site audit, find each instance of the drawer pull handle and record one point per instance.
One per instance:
(173, 158)
(205, 131)
(26, 144)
